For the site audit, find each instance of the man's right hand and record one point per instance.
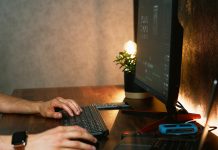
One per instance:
(61, 138)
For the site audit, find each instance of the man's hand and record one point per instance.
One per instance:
(47, 108)
(61, 138)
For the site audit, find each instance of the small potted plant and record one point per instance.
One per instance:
(126, 59)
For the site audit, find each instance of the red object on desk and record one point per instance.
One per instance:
(165, 119)
(177, 118)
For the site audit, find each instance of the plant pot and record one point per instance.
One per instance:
(132, 90)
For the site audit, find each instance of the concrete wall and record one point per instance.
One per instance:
(53, 43)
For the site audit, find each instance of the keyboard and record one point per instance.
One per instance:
(90, 119)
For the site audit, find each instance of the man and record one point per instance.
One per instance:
(59, 138)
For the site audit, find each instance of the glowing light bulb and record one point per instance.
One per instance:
(130, 48)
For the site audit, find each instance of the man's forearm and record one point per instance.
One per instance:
(9, 104)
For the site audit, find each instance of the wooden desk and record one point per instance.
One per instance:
(115, 120)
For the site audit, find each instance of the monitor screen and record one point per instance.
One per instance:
(159, 49)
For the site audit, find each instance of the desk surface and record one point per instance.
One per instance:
(116, 121)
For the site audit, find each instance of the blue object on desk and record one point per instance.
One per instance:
(178, 129)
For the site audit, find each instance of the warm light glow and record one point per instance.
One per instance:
(187, 103)
(119, 96)
(130, 48)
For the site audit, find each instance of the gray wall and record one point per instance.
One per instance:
(55, 43)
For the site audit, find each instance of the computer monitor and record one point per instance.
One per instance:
(159, 50)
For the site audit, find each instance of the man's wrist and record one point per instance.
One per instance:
(19, 147)
(36, 106)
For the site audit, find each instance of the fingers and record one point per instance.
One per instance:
(56, 115)
(65, 129)
(47, 109)
(76, 137)
(62, 138)
(76, 144)
(82, 135)
(68, 105)
(75, 127)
